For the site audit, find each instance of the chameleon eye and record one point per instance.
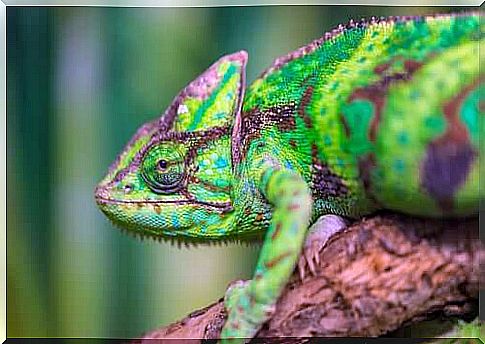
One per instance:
(163, 169)
(162, 164)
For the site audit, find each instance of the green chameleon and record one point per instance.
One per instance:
(378, 114)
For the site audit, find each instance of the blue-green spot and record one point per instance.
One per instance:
(415, 95)
(220, 115)
(469, 114)
(358, 115)
(403, 138)
(221, 162)
(221, 183)
(435, 123)
(175, 219)
(399, 165)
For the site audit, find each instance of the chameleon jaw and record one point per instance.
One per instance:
(162, 219)
(103, 198)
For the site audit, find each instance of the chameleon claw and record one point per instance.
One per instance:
(319, 234)
(310, 258)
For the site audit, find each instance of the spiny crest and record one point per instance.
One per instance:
(341, 31)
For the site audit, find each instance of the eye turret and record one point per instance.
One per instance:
(163, 168)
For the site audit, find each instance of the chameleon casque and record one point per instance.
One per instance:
(378, 114)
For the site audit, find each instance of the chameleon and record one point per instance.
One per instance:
(384, 113)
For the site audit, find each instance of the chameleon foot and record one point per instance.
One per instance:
(241, 325)
(234, 290)
(319, 234)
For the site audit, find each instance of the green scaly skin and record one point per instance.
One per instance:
(381, 114)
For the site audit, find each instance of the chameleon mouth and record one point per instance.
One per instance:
(163, 231)
(102, 198)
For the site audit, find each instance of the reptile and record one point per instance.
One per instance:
(383, 113)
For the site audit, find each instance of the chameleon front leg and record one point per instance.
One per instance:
(252, 303)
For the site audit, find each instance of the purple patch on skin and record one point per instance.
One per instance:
(445, 168)
(449, 158)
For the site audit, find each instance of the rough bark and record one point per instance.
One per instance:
(379, 275)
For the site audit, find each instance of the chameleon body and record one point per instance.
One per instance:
(378, 114)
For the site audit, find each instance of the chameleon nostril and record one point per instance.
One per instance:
(127, 188)
(101, 194)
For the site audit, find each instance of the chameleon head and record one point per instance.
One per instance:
(174, 178)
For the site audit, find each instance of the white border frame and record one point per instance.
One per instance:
(228, 3)
(130, 3)
(3, 172)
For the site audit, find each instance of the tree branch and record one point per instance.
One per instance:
(381, 274)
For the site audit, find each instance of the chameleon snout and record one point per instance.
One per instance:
(101, 194)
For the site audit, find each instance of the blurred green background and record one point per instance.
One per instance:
(79, 83)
